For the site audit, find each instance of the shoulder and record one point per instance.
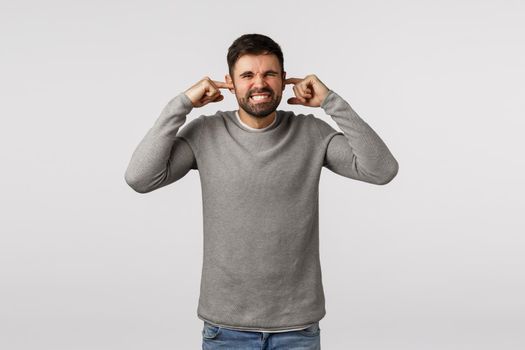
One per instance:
(325, 129)
(311, 121)
(295, 119)
(195, 125)
(218, 118)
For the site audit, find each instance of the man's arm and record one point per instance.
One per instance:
(357, 152)
(360, 153)
(162, 157)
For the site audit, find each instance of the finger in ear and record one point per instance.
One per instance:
(294, 101)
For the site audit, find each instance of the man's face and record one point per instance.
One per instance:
(258, 75)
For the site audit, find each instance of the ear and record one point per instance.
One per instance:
(229, 80)
(284, 78)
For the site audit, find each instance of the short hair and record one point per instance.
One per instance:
(255, 44)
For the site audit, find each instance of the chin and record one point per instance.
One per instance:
(261, 112)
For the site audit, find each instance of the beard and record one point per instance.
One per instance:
(261, 109)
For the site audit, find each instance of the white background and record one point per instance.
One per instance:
(433, 260)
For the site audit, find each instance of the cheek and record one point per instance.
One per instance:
(277, 87)
(241, 90)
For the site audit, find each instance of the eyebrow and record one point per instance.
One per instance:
(250, 72)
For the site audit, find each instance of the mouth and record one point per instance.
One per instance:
(260, 97)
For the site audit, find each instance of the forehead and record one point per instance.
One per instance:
(257, 63)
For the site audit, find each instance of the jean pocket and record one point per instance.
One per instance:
(210, 331)
(312, 331)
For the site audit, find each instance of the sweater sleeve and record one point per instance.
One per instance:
(164, 155)
(358, 152)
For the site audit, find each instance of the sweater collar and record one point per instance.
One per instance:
(246, 126)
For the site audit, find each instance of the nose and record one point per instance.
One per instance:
(259, 80)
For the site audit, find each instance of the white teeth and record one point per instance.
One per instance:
(259, 97)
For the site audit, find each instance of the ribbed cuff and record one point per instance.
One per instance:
(186, 102)
(328, 99)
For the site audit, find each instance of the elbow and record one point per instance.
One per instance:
(390, 173)
(135, 184)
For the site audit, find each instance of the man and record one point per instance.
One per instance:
(259, 170)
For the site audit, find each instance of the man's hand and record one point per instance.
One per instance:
(309, 91)
(206, 91)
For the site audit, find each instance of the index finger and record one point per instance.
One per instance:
(292, 80)
(223, 85)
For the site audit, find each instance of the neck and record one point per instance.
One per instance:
(255, 122)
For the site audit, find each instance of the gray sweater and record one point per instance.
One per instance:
(261, 268)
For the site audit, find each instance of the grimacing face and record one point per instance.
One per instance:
(258, 75)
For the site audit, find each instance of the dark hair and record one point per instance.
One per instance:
(255, 44)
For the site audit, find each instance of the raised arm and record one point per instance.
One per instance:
(161, 157)
(164, 155)
(357, 152)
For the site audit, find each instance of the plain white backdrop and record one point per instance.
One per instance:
(433, 260)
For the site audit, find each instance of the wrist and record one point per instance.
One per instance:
(326, 98)
(186, 101)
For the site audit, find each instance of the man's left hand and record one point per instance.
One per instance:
(309, 91)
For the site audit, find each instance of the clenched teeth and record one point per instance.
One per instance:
(259, 97)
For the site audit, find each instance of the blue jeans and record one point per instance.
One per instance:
(215, 337)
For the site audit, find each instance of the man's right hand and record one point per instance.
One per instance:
(206, 91)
